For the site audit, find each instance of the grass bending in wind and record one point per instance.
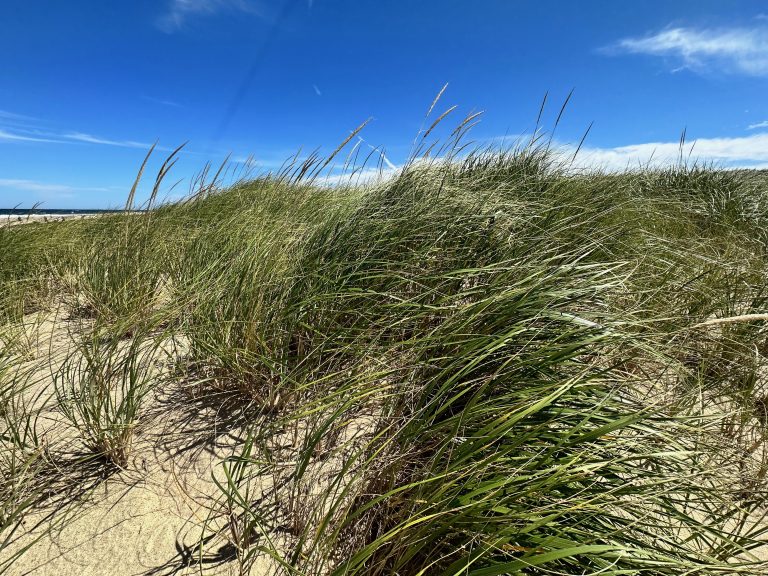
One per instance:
(478, 324)
(488, 363)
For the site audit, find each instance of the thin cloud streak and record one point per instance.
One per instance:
(169, 103)
(19, 128)
(77, 138)
(35, 186)
(763, 124)
(89, 139)
(383, 156)
(728, 50)
(5, 115)
(6, 136)
(179, 11)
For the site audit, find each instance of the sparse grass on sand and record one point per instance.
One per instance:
(485, 364)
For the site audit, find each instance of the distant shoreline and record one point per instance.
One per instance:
(15, 217)
(55, 211)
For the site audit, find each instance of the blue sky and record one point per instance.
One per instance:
(86, 86)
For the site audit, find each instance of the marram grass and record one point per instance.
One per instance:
(485, 364)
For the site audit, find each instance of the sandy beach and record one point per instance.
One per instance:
(11, 220)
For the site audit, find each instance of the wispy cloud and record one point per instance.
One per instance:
(729, 50)
(169, 103)
(21, 135)
(33, 186)
(19, 128)
(179, 11)
(14, 137)
(46, 187)
(5, 115)
(735, 152)
(380, 152)
(763, 124)
(89, 139)
(317, 90)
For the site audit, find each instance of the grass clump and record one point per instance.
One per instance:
(23, 456)
(116, 280)
(100, 389)
(509, 438)
(234, 283)
(488, 363)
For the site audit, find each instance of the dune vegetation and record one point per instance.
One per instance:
(485, 363)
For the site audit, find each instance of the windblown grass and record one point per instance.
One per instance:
(488, 363)
(481, 329)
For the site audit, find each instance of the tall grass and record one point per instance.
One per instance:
(488, 363)
(478, 326)
(115, 284)
(234, 284)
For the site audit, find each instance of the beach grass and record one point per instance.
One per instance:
(486, 362)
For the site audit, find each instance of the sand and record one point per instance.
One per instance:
(143, 520)
(11, 220)
(147, 519)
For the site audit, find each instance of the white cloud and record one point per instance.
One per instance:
(5, 115)
(20, 128)
(730, 50)
(35, 186)
(169, 103)
(12, 137)
(21, 135)
(763, 124)
(360, 176)
(391, 166)
(89, 139)
(179, 11)
(737, 152)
